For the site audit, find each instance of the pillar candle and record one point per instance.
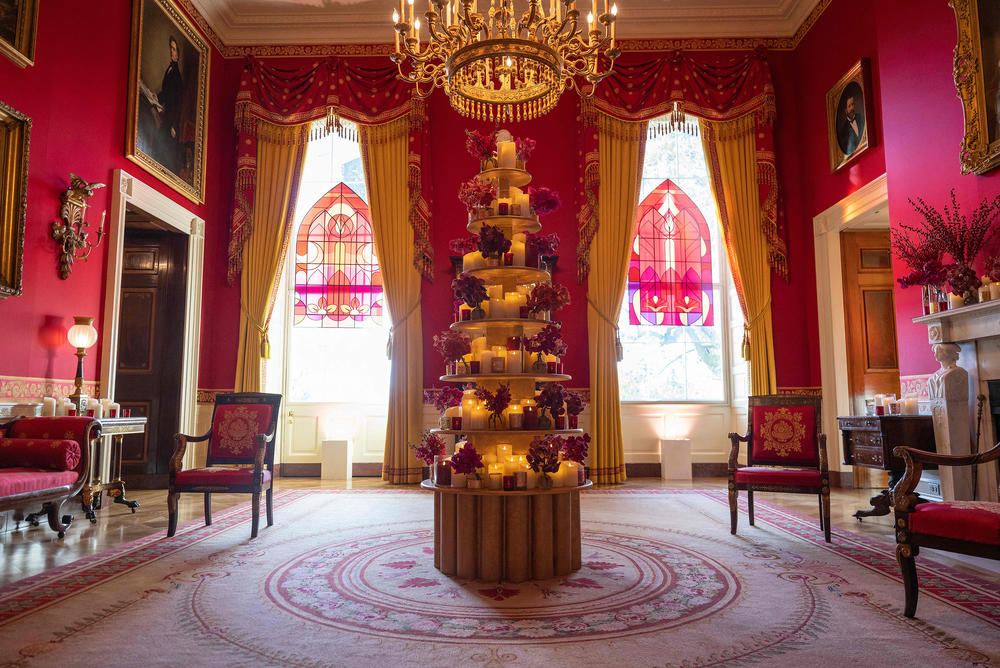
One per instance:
(995, 290)
(909, 405)
(48, 406)
(479, 418)
(517, 248)
(478, 344)
(469, 402)
(551, 362)
(515, 417)
(557, 477)
(116, 410)
(571, 474)
(453, 412)
(955, 301)
(520, 479)
(521, 201)
(486, 361)
(515, 361)
(984, 289)
(495, 475)
(464, 312)
(503, 452)
(506, 154)
(473, 260)
(531, 478)
(494, 291)
(497, 310)
(530, 417)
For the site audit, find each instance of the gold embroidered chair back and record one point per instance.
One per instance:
(237, 419)
(784, 430)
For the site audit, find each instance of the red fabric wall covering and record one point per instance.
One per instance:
(76, 96)
(916, 40)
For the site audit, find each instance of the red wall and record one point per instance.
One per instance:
(76, 96)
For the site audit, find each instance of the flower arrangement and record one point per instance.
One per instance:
(496, 402)
(470, 289)
(547, 297)
(543, 455)
(551, 399)
(548, 341)
(443, 398)
(543, 200)
(492, 242)
(541, 244)
(463, 246)
(523, 146)
(452, 345)
(475, 194)
(480, 145)
(993, 268)
(962, 280)
(575, 448)
(574, 403)
(467, 460)
(430, 445)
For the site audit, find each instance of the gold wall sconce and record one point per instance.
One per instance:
(73, 233)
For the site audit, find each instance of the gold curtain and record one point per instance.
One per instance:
(731, 154)
(384, 153)
(280, 156)
(621, 145)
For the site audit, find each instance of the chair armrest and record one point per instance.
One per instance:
(180, 447)
(734, 450)
(902, 494)
(258, 460)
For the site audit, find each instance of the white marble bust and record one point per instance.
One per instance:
(950, 382)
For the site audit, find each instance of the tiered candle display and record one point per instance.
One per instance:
(504, 347)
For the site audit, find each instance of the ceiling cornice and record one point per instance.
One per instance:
(318, 36)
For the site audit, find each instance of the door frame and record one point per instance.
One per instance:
(128, 190)
(865, 208)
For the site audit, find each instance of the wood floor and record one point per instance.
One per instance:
(25, 551)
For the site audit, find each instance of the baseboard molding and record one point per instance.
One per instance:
(698, 470)
(842, 479)
(314, 469)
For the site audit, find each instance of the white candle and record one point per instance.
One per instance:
(955, 301)
(517, 248)
(506, 154)
(479, 417)
(532, 481)
(515, 417)
(478, 345)
(116, 409)
(473, 260)
(571, 474)
(515, 362)
(503, 451)
(486, 361)
(494, 291)
(497, 308)
(557, 478)
(453, 412)
(48, 406)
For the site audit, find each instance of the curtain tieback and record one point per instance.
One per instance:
(388, 345)
(265, 342)
(619, 349)
(748, 325)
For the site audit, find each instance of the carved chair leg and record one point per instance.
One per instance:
(733, 495)
(908, 566)
(824, 518)
(255, 514)
(208, 509)
(172, 513)
(750, 505)
(269, 502)
(57, 524)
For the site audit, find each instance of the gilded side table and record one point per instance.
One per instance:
(116, 428)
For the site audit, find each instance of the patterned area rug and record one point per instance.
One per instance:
(347, 578)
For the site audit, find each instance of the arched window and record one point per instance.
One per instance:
(337, 278)
(670, 273)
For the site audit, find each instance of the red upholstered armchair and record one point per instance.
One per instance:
(45, 461)
(240, 455)
(969, 527)
(785, 453)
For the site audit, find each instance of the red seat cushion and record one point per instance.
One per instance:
(977, 521)
(759, 475)
(56, 454)
(235, 428)
(785, 434)
(218, 475)
(25, 479)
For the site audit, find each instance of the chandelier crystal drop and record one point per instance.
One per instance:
(502, 65)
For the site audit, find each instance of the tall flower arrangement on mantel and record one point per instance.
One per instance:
(945, 235)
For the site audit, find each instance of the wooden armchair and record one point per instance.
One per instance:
(785, 453)
(968, 527)
(240, 456)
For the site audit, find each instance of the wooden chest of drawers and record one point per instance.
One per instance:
(869, 440)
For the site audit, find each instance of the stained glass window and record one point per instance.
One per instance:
(670, 272)
(337, 278)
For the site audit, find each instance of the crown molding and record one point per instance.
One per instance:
(357, 29)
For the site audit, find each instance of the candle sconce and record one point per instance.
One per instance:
(73, 233)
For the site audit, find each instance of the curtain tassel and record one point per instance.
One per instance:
(745, 349)
(265, 347)
(619, 348)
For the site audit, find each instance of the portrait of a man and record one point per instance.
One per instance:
(849, 121)
(170, 71)
(850, 118)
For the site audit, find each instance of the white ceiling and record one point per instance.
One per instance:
(285, 22)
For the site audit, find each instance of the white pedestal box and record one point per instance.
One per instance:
(336, 460)
(675, 459)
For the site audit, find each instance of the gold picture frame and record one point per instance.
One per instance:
(849, 117)
(15, 142)
(18, 23)
(168, 97)
(977, 79)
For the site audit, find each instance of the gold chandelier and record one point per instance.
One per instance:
(500, 65)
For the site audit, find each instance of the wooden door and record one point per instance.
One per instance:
(150, 349)
(869, 311)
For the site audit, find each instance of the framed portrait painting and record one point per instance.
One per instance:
(168, 97)
(15, 139)
(977, 78)
(18, 21)
(848, 115)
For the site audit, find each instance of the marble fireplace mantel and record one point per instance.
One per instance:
(966, 342)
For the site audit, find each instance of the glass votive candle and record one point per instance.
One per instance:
(894, 408)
